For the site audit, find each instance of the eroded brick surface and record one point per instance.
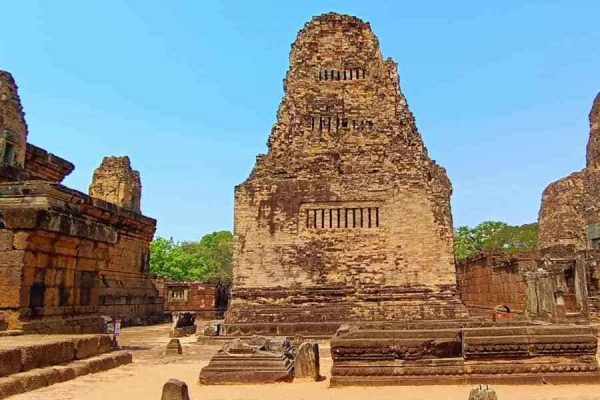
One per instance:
(346, 217)
(117, 183)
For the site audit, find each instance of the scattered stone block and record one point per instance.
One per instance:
(250, 361)
(175, 390)
(184, 324)
(174, 347)
(483, 393)
(306, 362)
(213, 328)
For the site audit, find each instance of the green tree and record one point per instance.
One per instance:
(490, 235)
(512, 239)
(216, 250)
(211, 258)
(160, 249)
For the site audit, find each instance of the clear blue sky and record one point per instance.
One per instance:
(189, 90)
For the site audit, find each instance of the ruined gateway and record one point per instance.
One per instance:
(346, 218)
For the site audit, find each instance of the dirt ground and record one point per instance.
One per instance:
(143, 380)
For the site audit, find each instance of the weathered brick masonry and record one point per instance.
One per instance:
(346, 218)
(569, 217)
(208, 300)
(66, 258)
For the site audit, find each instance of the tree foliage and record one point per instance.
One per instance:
(210, 259)
(490, 235)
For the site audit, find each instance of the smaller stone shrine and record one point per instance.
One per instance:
(249, 361)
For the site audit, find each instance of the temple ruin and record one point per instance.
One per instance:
(346, 218)
(345, 225)
(67, 258)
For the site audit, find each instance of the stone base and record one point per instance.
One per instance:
(307, 329)
(531, 354)
(250, 361)
(319, 311)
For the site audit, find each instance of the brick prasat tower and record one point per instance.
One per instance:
(116, 182)
(346, 218)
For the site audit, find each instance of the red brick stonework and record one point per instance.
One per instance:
(65, 258)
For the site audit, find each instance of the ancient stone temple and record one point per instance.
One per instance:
(346, 218)
(67, 258)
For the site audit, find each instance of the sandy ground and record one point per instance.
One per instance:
(143, 380)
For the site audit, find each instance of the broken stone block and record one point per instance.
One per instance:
(306, 363)
(184, 324)
(175, 390)
(174, 347)
(213, 328)
(483, 393)
(250, 360)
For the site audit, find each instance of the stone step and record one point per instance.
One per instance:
(40, 377)
(22, 355)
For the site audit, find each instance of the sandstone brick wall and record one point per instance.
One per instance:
(83, 258)
(116, 182)
(488, 280)
(346, 217)
(208, 300)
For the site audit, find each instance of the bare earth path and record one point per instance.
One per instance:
(144, 378)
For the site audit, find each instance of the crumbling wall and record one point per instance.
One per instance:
(492, 279)
(208, 300)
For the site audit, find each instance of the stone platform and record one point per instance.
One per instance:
(28, 362)
(249, 361)
(507, 354)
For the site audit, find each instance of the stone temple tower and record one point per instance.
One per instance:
(569, 217)
(114, 181)
(13, 128)
(346, 218)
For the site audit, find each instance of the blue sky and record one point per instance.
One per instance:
(189, 90)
